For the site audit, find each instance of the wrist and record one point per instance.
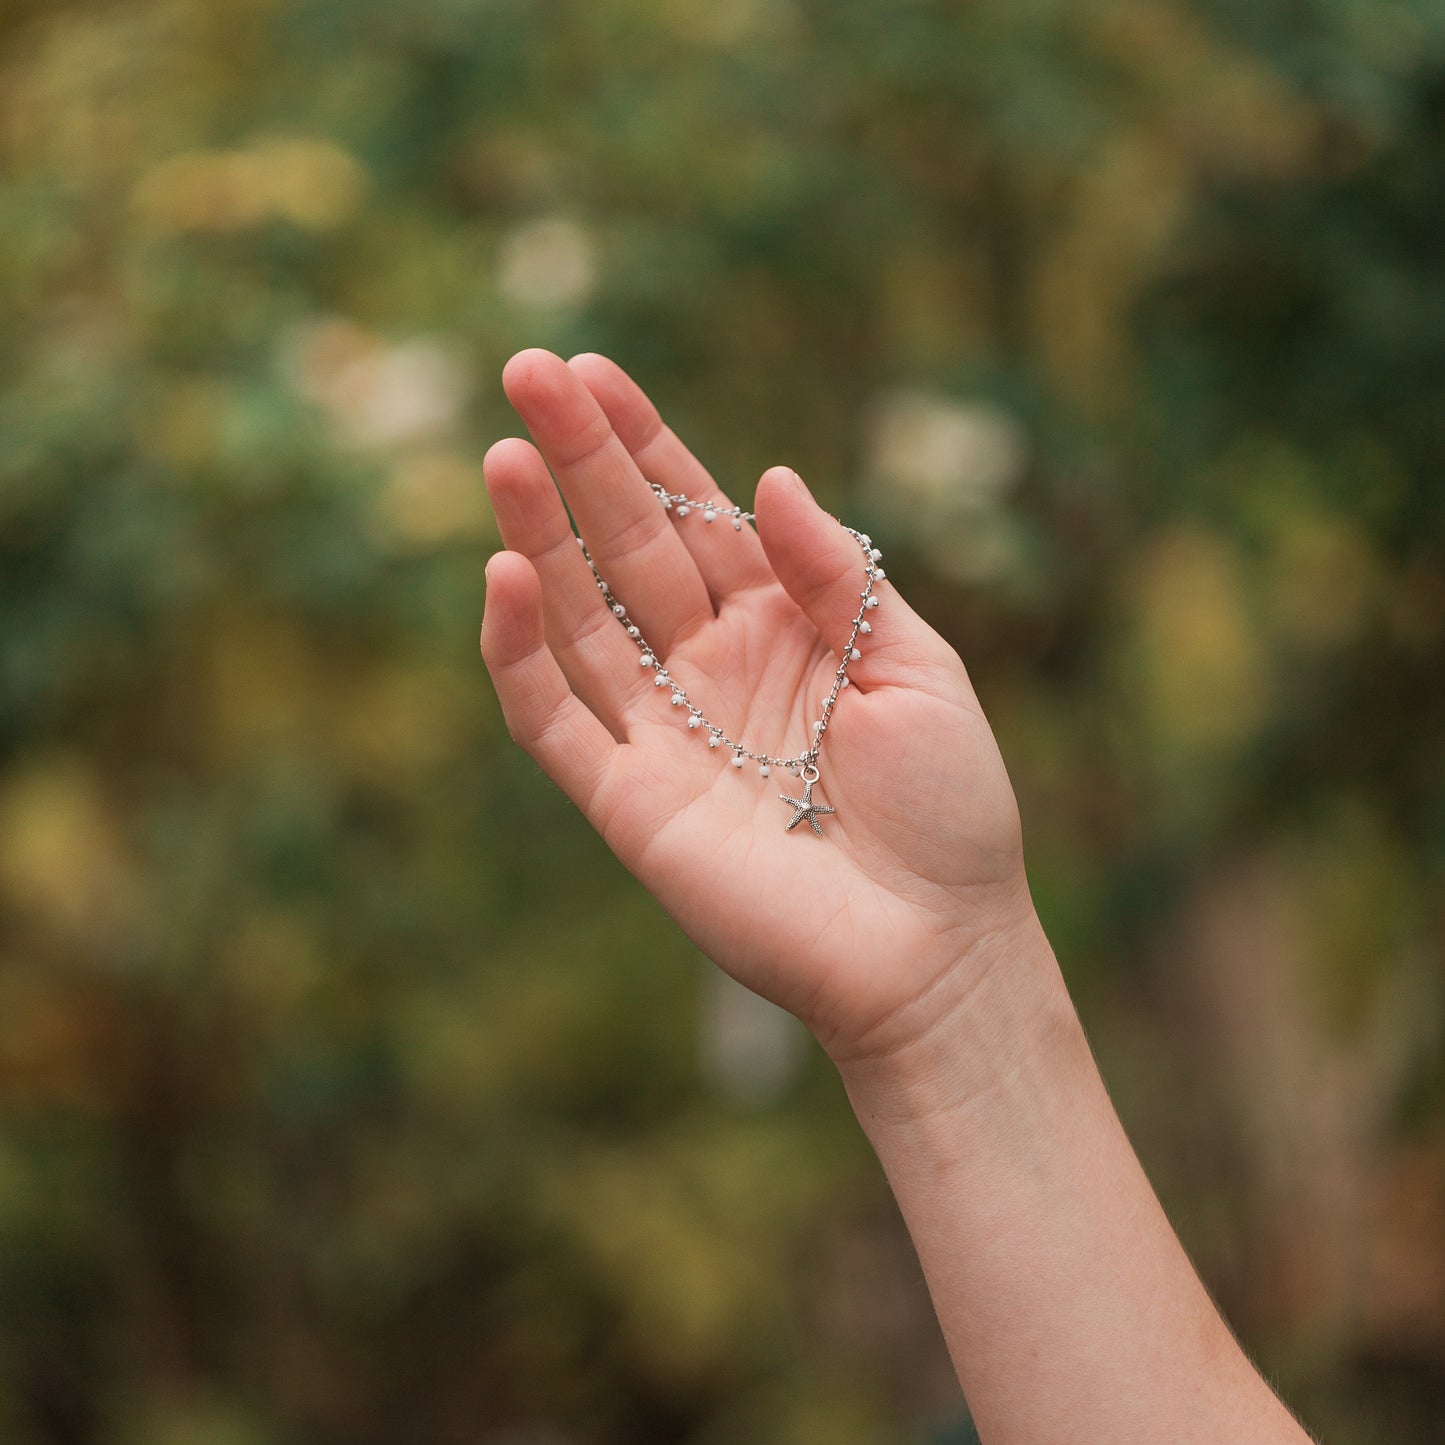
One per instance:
(999, 1012)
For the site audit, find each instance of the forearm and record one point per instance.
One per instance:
(1069, 1307)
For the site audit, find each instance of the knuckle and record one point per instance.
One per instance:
(587, 444)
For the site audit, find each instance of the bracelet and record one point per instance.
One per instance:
(805, 764)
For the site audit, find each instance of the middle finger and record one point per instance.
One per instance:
(730, 559)
(630, 536)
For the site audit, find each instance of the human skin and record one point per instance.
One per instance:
(905, 939)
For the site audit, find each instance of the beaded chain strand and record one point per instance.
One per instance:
(805, 764)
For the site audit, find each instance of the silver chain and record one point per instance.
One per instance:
(805, 763)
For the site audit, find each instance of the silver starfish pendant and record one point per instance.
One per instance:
(805, 807)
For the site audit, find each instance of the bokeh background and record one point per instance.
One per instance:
(349, 1091)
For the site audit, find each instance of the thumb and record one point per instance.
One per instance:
(823, 567)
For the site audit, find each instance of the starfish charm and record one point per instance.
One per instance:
(806, 808)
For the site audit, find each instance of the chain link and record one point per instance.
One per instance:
(681, 505)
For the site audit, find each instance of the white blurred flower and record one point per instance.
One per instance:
(751, 1049)
(376, 394)
(950, 455)
(549, 263)
(938, 470)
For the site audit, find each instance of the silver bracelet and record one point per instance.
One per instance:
(805, 764)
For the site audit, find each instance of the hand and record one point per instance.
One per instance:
(868, 934)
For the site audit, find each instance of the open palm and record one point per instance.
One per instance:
(861, 932)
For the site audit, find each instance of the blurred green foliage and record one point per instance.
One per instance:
(348, 1090)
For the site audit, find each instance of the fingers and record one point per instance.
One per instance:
(729, 559)
(630, 536)
(595, 655)
(821, 567)
(542, 712)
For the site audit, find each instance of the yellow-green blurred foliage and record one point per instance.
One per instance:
(349, 1092)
